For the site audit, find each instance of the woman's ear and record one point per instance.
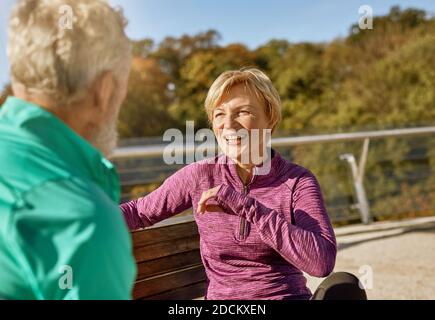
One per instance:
(103, 90)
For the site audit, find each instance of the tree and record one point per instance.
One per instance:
(198, 74)
(269, 56)
(172, 52)
(145, 109)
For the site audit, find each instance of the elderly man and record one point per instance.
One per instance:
(62, 235)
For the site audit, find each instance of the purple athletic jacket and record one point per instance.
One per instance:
(269, 231)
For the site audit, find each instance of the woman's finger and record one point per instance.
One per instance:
(202, 204)
(206, 195)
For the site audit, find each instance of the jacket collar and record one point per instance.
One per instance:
(53, 134)
(264, 174)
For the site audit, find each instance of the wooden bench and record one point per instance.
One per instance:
(168, 261)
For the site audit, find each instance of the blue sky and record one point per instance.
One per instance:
(252, 22)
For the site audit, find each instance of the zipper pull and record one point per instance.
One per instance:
(245, 189)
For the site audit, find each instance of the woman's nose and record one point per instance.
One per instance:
(229, 122)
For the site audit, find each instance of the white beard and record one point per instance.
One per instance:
(105, 136)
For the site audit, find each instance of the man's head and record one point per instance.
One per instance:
(72, 57)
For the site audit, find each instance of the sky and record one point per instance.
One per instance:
(251, 22)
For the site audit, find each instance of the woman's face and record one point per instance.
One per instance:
(240, 123)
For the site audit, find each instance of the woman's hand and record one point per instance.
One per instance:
(207, 195)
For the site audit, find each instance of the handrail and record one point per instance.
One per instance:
(357, 167)
(156, 150)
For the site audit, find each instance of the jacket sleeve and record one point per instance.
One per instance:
(171, 198)
(309, 244)
(71, 242)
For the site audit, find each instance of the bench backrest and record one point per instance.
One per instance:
(169, 262)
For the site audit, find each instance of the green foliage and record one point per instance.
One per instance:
(145, 111)
(371, 79)
(197, 75)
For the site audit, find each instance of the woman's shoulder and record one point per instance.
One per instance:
(293, 174)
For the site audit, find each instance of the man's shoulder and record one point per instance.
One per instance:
(74, 217)
(26, 163)
(72, 197)
(30, 169)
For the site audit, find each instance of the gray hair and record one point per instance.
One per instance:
(59, 47)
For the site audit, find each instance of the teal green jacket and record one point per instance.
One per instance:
(62, 235)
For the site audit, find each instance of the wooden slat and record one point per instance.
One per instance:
(168, 264)
(190, 292)
(166, 248)
(164, 233)
(170, 281)
(185, 216)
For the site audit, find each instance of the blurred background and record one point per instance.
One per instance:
(333, 77)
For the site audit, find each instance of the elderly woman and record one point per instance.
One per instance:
(259, 229)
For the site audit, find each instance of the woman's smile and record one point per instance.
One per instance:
(235, 139)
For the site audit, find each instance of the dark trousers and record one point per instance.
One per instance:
(340, 286)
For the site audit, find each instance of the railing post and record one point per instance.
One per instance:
(358, 181)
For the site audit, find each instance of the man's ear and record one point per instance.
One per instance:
(103, 89)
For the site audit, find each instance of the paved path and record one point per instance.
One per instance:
(400, 254)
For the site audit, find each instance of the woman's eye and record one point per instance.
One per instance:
(244, 112)
(219, 114)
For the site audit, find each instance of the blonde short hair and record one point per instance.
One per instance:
(62, 58)
(253, 79)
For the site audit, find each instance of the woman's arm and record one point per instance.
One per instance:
(310, 244)
(171, 198)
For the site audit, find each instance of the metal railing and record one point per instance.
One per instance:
(357, 169)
